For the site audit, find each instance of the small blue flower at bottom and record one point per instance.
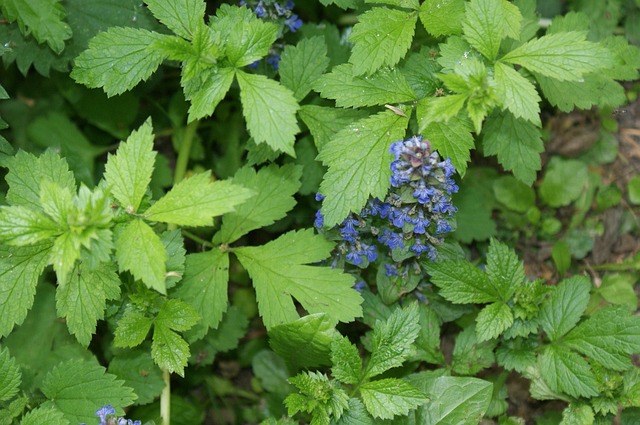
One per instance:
(104, 411)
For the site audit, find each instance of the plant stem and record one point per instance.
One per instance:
(185, 150)
(165, 398)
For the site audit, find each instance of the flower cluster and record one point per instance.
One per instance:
(106, 415)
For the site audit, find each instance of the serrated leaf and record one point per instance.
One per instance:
(407, 4)
(358, 162)
(20, 268)
(389, 397)
(139, 372)
(442, 17)
(304, 342)
(462, 283)
(517, 94)
(428, 341)
(567, 372)
(301, 65)
(10, 375)
(132, 329)
(78, 387)
(118, 59)
(204, 97)
(594, 89)
(319, 396)
(565, 56)
(385, 86)
(324, 122)
(169, 350)
(458, 401)
(381, 37)
(20, 226)
(439, 109)
(196, 200)
(270, 111)
(182, 18)
(279, 273)
(355, 414)
(566, 305)
(44, 415)
(504, 268)
(345, 359)
(470, 356)
(128, 172)
(274, 187)
(452, 140)
(176, 315)
(493, 320)
(140, 251)
(483, 27)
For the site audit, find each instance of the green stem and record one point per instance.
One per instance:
(165, 398)
(197, 238)
(185, 150)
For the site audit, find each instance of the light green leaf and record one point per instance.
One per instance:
(169, 350)
(44, 415)
(389, 397)
(274, 187)
(305, 342)
(504, 268)
(442, 17)
(578, 415)
(56, 202)
(82, 299)
(10, 375)
(461, 282)
(407, 4)
(566, 305)
(140, 251)
(270, 111)
(139, 372)
(493, 320)
(324, 122)
(180, 17)
(301, 65)
(43, 19)
(458, 401)
(385, 86)
(452, 140)
(196, 200)
(567, 372)
(318, 395)
(381, 37)
(358, 162)
(279, 273)
(345, 359)
(20, 226)
(517, 94)
(470, 356)
(177, 315)
(78, 388)
(355, 414)
(204, 97)
(118, 59)
(565, 56)
(483, 27)
(594, 89)
(132, 328)
(564, 181)
(439, 109)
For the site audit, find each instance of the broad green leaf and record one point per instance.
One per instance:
(78, 387)
(392, 340)
(20, 268)
(196, 200)
(169, 350)
(475, 204)
(516, 93)
(452, 140)
(118, 59)
(180, 17)
(483, 27)
(359, 162)
(564, 181)
(324, 122)
(272, 371)
(139, 372)
(462, 283)
(594, 89)
(279, 273)
(442, 17)
(132, 329)
(20, 226)
(204, 287)
(517, 144)
(140, 251)
(274, 188)
(345, 360)
(493, 320)
(44, 415)
(567, 372)
(128, 172)
(428, 341)
(514, 194)
(504, 268)
(83, 298)
(43, 19)
(204, 97)
(389, 397)
(10, 375)
(381, 37)
(385, 86)
(270, 111)
(305, 342)
(301, 65)
(458, 401)
(565, 56)
(567, 303)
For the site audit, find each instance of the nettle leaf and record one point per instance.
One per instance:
(355, 414)
(462, 283)
(78, 387)
(44, 415)
(407, 4)
(139, 372)
(128, 172)
(566, 305)
(196, 200)
(345, 359)
(458, 400)
(41, 18)
(83, 298)
(274, 187)
(20, 268)
(279, 273)
(10, 375)
(381, 37)
(118, 59)
(301, 65)
(442, 17)
(168, 349)
(182, 18)
(358, 159)
(452, 140)
(207, 94)
(565, 56)
(439, 109)
(493, 320)
(21, 226)
(132, 329)
(305, 342)
(504, 268)
(567, 372)
(594, 89)
(324, 122)
(516, 93)
(483, 27)
(319, 396)
(140, 251)
(386, 85)
(470, 356)
(389, 397)
(270, 111)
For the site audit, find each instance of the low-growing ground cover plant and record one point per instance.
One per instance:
(340, 212)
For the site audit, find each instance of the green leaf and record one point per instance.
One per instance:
(128, 172)
(355, 414)
(462, 283)
(78, 388)
(514, 194)
(169, 350)
(483, 27)
(270, 111)
(20, 268)
(517, 144)
(565, 56)
(470, 356)
(319, 396)
(274, 187)
(176, 315)
(385, 86)
(407, 4)
(504, 268)
(44, 415)
(279, 273)
(381, 37)
(196, 200)
(305, 342)
(428, 341)
(439, 109)
(10, 376)
(41, 18)
(325, 122)
(594, 89)
(225, 337)
(139, 372)
(132, 329)
(272, 372)
(301, 65)
(452, 140)
(566, 305)
(118, 59)
(82, 299)
(204, 287)
(493, 320)
(563, 181)
(140, 251)
(345, 359)
(567, 372)
(475, 205)
(517, 94)
(442, 17)
(182, 18)
(458, 401)
(358, 162)
(22, 226)
(389, 397)
(204, 97)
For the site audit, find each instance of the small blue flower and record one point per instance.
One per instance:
(320, 197)
(354, 257)
(369, 251)
(254, 64)
(390, 270)
(274, 60)
(423, 193)
(399, 216)
(359, 286)
(391, 239)
(420, 223)
(104, 411)
(418, 247)
(260, 11)
(293, 22)
(319, 221)
(447, 167)
(442, 227)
